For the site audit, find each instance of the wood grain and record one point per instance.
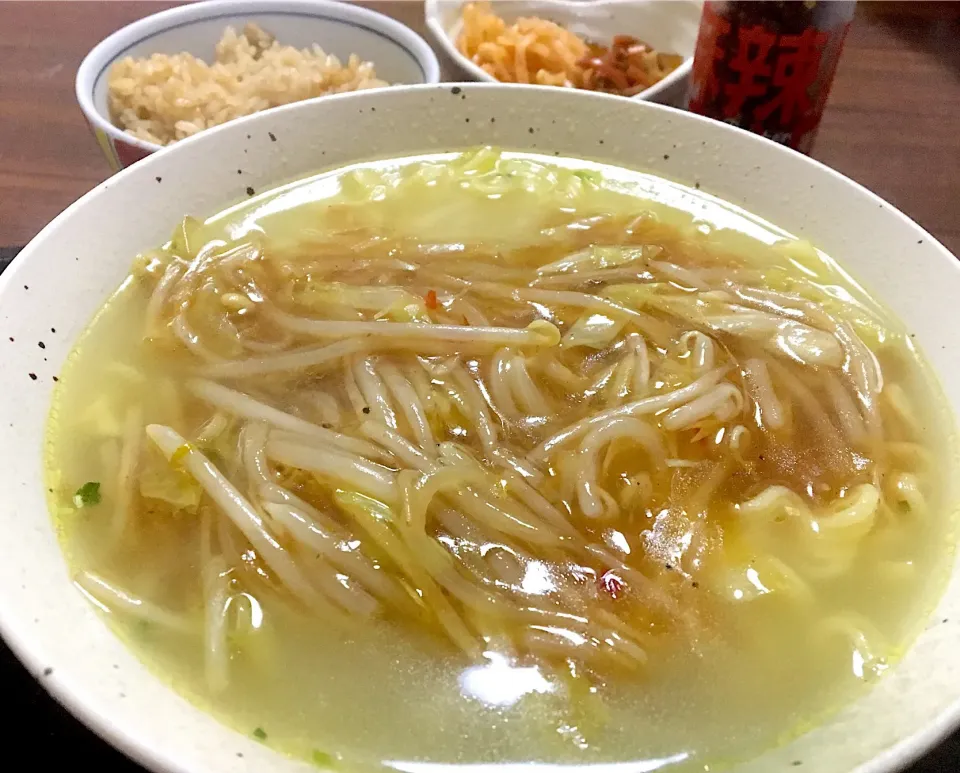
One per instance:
(891, 123)
(893, 119)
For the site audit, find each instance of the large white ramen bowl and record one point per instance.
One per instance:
(65, 274)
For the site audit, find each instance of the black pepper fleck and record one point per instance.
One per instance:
(159, 179)
(366, 409)
(240, 754)
(463, 96)
(530, 130)
(250, 190)
(33, 376)
(26, 287)
(53, 330)
(666, 156)
(272, 136)
(455, 90)
(47, 671)
(668, 566)
(695, 584)
(11, 339)
(248, 136)
(239, 171)
(493, 120)
(55, 378)
(373, 109)
(556, 152)
(697, 186)
(919, 241)
(601, 142)
(797, 763)
(466, 120)
(41, 344)
(946, 619)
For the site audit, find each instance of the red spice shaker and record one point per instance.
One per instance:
(767, 66)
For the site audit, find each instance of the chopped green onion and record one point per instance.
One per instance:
(88, 494)
(323, 759)
(260, 734)
(589, 176)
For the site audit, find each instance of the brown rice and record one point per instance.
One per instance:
(165, 98)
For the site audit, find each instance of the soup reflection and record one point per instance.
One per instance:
(518, 450)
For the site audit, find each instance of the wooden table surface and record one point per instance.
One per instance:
(892, 124)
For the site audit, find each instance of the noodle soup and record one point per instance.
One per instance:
(498, 458)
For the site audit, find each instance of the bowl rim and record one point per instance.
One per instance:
(112, 47)
(444, 40)
(21, 640)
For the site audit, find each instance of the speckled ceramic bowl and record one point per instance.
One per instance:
(62, 277)
(398, 53)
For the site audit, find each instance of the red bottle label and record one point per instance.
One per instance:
(761, 75)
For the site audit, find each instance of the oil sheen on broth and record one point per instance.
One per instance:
(498, 458)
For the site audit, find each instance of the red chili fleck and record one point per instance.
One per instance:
(612, 584)
(432, 299)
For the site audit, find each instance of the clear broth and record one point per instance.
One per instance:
(389, 694)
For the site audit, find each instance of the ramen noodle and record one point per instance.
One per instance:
(508, 447)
